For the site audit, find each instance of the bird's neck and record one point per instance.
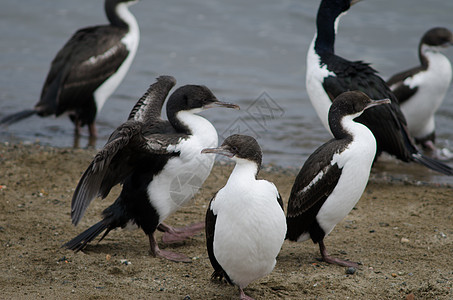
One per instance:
(327, 26)
(120, 16)
(244, 173)
(347, 128)
(426, 53)
(188, 122)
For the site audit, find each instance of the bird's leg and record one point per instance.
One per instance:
(92, 130)
(243, 296)
(77, 124)
(429, 145)
(332, 260)
(176, 235)
(155, 251)
(92, 141)
(76, 143)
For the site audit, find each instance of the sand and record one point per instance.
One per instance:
(401, 232)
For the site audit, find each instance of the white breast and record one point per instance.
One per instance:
(432, 86)
(131, 40)
(250, 228)
(183, 175)
(314, 78)
(356, 163)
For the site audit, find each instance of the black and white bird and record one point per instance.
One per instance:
(88, 69)
(334, 177)
(421, 90)
(329, 75)
(158, 162)
(245, 222)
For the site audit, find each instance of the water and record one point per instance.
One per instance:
(248, 52)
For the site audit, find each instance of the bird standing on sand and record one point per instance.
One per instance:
(334, 177)
(421, 90)
(245, 222)
(159, 164)
(329, 75)
(88, 69)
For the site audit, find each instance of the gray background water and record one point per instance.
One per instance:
(250, 52)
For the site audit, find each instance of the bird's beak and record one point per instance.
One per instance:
(377, 102)
(222, 104)
(354, 2)
(220, 150)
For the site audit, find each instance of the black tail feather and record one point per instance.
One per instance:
(80, 241)
(16, 117)
(433, 164)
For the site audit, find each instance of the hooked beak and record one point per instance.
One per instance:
(377, 102)
(219, 150)
(354, 2)
(222, 104)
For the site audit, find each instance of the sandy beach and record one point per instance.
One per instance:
(401, 232)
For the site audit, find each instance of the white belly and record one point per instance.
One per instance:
(432, 85)
(314, 78)
(183, 175)
(250, 230)
(106, 89)
(356, 162)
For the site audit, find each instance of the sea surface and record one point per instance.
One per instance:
(250, 52)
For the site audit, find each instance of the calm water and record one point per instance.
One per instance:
(248, 52)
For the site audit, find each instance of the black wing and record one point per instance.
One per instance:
(313, 185)
(280, 201)
(149, 106)
(401, 90)
(90, 56)
(219, 272)
(126, 150)
(386, 122)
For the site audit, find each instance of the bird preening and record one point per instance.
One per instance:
(88, 69)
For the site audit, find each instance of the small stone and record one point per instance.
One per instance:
(410, 296)
(394, 275)
(404, 240)
(108, 257)
(350, 270)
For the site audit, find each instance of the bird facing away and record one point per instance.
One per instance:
(422, 89)
(245, 222)
(158, 162)
(334, 177)
(88, 69)
(329, 75)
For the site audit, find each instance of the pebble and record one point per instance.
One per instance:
(394, 275)
(404, 240)
(350, 270)
(410, 296)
